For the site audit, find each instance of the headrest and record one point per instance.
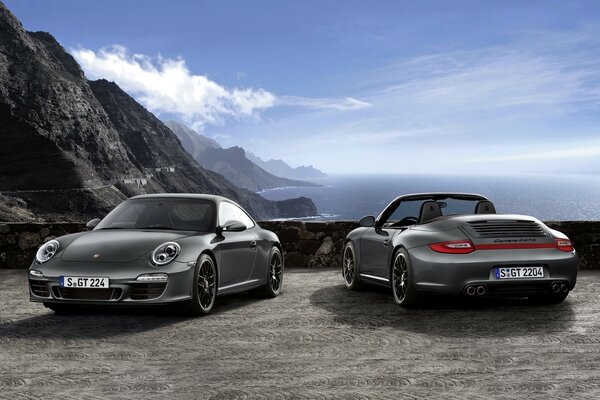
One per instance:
(429, 211)
(485, 207)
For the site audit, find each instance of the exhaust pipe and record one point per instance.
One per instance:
(555, 287)
(564, 288)
(471, 290)
(480, 290)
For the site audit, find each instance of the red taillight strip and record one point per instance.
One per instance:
(515, 246)
(466, 246)
(560, 244)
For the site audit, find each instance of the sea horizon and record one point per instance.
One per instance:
(564, 197)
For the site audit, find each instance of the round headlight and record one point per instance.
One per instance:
(165, 253)
(47, 251)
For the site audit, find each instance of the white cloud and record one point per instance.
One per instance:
(167, 86)
(347, 103)
(574, 152)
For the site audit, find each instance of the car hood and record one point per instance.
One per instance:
(117, 245)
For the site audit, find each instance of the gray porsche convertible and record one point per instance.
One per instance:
(185, 249)
(455, 244)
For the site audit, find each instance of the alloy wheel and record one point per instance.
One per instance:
(206, 284)
(400, 278)
(276, 271)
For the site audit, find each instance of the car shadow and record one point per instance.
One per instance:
(374, 307)
(96, 322)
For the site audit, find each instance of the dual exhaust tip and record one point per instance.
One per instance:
(481, 290)
(559, 287)
(473, 290)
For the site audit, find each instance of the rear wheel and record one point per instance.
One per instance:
(350, 268)
(403, 285)
(274, 273)
(204, 286)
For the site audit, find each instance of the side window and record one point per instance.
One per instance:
(229, 212)
(405, 209)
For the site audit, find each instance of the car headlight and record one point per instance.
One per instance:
(47, 251)
(165, 253)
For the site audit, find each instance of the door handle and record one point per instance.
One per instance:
(386, 242)
(253, 244)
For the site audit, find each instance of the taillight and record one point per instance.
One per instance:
(564, 245)
(453, 247)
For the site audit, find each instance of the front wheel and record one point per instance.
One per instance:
(403, 284)
(274, 273)
(204, 286)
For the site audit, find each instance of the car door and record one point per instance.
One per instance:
(237, 249)
(375, 249)
(377, 243)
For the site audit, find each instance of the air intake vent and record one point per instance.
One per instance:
(147, 291)
(89, 294)
(39, 288)
(505, 228)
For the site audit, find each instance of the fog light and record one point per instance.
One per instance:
(35, 274)
(153, 278)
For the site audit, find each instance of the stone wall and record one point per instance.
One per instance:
(306, 244)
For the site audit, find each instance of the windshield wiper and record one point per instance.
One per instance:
(159, 227)
(111, 227)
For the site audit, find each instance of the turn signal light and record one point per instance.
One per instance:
(453, 247)
(564, 245)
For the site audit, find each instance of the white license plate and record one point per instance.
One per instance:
(84, 282)
(519, 272)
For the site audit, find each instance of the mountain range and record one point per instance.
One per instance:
(231, 162)
(73, 149)
(281, 168)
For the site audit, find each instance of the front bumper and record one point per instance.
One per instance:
(450, 274)
(124, 286)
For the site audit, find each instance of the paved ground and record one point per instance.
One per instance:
(317, 340)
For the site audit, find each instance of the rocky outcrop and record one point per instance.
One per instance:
(232, 162)
(305, 244)
(74, 149)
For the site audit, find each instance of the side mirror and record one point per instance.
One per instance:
(367, 221)
(93, 223)
(233, 226)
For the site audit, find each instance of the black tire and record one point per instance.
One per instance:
(402, 278)
(350, 268)
(548, 299)
(274, 273)
(204, 287)
(63, 309)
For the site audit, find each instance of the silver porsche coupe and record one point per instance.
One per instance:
(183, 249)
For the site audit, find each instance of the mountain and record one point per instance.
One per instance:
(232, 163)
(281, 168)
(73, 149)
(193, 142)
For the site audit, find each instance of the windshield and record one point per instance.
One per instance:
(408, 211)
(165, 213)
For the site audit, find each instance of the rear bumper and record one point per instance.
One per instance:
(450, 274)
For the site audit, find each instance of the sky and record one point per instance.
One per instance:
(354, 86)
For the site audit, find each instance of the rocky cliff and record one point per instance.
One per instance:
(74, 149)
(232, 162)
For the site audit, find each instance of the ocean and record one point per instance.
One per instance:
(547, 197)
